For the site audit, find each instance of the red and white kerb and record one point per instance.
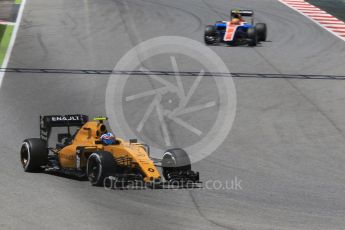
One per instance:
(325, 20)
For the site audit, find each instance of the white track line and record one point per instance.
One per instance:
(13, 39)
(320, 17)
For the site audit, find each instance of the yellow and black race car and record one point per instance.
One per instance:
(94, 153)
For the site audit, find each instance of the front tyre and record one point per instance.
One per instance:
(252, 36)
(261, 30)
(33, 154)
(210, 36)
(100, 165)
(175, 161)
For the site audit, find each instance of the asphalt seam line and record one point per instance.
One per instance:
(327, 21)
(13, 39)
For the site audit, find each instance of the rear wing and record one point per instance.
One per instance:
(244, 13)
(48, 122)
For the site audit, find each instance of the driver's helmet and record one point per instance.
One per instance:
(108, 138)
(235, 21)
(236, 14)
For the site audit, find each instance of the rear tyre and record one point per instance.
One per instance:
(175, 161)
(261, 30)
(100, 165)
(33, 154)
(210, 35)
(252, 36)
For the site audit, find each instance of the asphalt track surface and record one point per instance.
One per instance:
(286, 145)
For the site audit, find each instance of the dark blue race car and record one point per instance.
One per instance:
(237, 31)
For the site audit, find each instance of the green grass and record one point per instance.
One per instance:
(5, 37)
(2, 30)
